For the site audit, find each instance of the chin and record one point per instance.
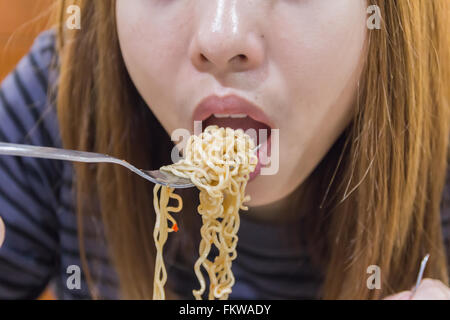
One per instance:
(261, 191)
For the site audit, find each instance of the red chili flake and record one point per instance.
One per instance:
(175, 227)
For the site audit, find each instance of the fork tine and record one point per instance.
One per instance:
(169, 179)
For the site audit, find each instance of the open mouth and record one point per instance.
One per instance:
(260, 132)
(237, 113)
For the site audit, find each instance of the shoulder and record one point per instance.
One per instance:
(27, 110)
(44, 49)
(36, 66)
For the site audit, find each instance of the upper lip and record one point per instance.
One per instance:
(230, 104)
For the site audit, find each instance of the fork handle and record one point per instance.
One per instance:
(24, 150)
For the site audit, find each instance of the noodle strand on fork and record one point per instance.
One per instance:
(219, 163)
(160, 234)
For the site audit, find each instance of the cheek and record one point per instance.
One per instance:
(145, 46)
(318, 57)
(320, 49)
(319, 61)
(152, 52)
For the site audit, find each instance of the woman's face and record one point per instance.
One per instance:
(298, 61)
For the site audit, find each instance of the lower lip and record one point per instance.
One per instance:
(265, 148)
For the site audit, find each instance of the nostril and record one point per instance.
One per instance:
(237, 60)
(242, 57)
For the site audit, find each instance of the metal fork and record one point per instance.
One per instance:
(155, 176)
(423, 264)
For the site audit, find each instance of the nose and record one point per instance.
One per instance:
(227, 38)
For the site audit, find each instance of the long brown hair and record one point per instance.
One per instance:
(377, 191)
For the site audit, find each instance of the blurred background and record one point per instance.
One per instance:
(20, 22)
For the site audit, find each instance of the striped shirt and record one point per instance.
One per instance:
(37, 206)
